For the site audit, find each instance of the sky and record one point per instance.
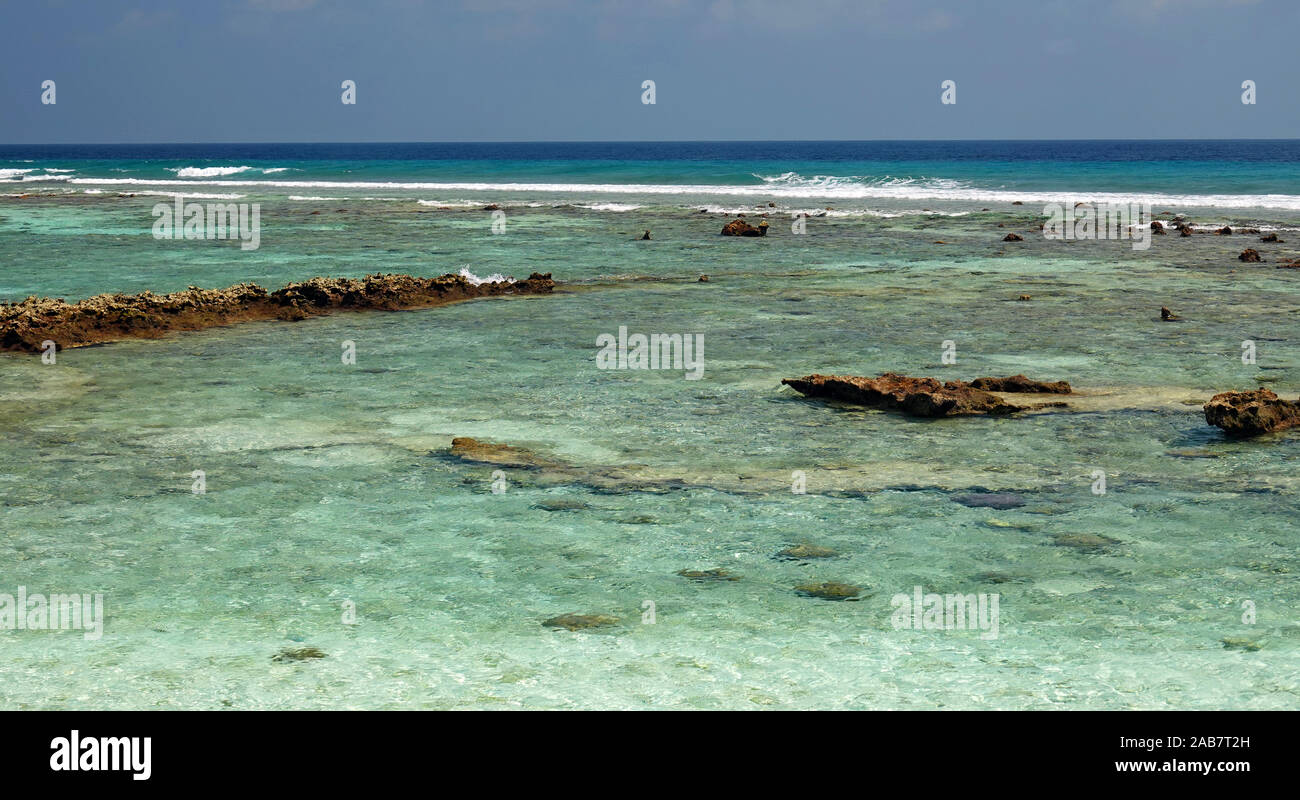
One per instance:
(572, 70)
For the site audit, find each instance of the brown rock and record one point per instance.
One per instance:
(1270, 237)
(1019, 383)
(1185, 230)
(1013, 237)
(1245, 414)
(738, 227)
(1249, 255)
(1224, 231)
(918, 397)
(110, 317)
(472, 450)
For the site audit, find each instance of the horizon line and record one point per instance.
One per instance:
(630, 141)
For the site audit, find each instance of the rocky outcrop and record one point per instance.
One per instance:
(1244, 414)
(1013, 237)
(739, 227)
(110, 317)
(1019, 383)
(1249, 255)
(1270, 237)
(918, 397)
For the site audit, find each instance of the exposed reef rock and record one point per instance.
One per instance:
(1252, 413)
(738, 227)
(1249, 255)
(1013, 237)
(110, 317)
(1019, 383)
(919, 397)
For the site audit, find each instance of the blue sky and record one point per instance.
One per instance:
(526, 70)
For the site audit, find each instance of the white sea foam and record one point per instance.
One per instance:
(451, 203)
(783, 187)
(274, 170)
(475, 280)
(313, 197)
(206, 172)
(611, 206)
(10, 174)
(197, 195)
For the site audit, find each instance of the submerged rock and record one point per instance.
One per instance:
(560, 504)
(999, 501)
(919, 397)
(1086, 542)
(1013, 237)
(1270, 237)
(1249, 255)
(1251, 413)
(829, 590)
(802, 552)
(580, 622)
(706, 575)
(298, 654)
(467, 449)
(1239, 643)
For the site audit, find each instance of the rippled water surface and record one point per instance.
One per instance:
(331, 487)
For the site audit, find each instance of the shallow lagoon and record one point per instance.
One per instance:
(330, 484)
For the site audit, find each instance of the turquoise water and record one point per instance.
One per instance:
(331, 486)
